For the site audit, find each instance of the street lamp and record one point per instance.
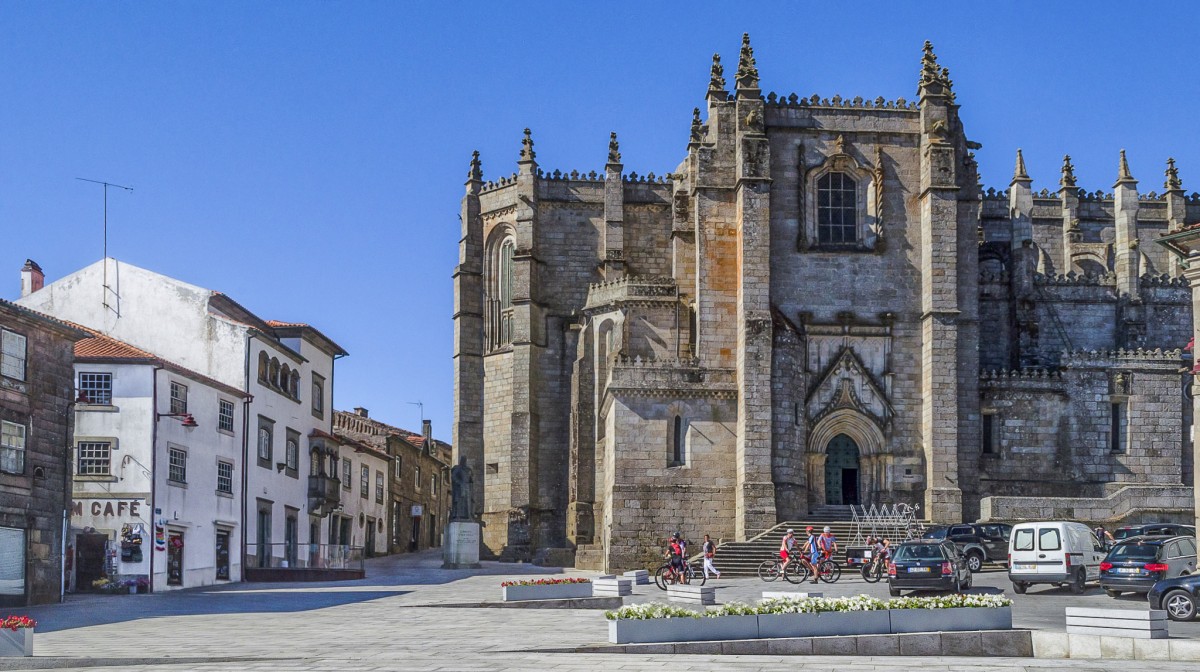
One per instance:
(187, 421)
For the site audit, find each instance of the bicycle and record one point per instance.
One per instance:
(667, 575)
(795, 572)
(875, 570)
(828, 570)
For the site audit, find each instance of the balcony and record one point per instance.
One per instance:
(324, 494)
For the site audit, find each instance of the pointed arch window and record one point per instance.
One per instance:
(837, 209)
(499, 321)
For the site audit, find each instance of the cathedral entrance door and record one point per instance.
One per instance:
(841, 471)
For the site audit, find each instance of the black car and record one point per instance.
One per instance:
(1156, 529)
(928, 565)
(1135, 564)
(979, 542)
(1178, 597)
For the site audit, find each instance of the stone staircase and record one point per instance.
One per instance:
(742, 558)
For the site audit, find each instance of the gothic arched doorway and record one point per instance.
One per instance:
(841, 471)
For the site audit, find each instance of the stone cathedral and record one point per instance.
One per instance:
(819, 306)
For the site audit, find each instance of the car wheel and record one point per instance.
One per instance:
(1112, 593)
(894, 592)
(974, 562)
(1020, 588)
(1079, 584)
(1180, 606)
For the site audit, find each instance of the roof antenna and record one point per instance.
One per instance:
(421, 406)
(104, 301)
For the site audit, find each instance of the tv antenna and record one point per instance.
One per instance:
(419, 405)
(104, 259)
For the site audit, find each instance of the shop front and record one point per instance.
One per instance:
(110, 545)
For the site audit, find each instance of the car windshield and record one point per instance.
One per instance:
(918, 552)
(1138, 552)
(935, 533)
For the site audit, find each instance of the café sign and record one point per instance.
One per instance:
(107, 508)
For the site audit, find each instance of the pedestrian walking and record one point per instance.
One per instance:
(709, 549)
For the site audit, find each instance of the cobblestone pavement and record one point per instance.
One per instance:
(375, 624)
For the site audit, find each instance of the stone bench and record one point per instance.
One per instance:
(703, 595)
(787, 595)
(640, 577)
(1136, 624)
(612, 587)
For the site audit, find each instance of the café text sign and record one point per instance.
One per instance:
(107, 508)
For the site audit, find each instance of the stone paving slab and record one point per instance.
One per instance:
(366, 625)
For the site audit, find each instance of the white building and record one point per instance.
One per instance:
(157, 464)
(361, 520)
(290, 480)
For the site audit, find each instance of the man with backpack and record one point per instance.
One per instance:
(709, 549)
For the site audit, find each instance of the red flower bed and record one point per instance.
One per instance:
(543, 582)
(16, 622)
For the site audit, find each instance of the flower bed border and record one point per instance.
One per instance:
(16, 643)
(547, 591)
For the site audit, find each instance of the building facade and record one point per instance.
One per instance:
(362, 518)
(36, 421)
(157, 472)
(284, 368)
(418, 478)
(818, 306)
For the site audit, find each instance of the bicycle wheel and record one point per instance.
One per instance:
(660, 577)
(768, 570)
(829, 571)
(796, 572)
(871, 573)
(696, 575)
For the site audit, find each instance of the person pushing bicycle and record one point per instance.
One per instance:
(785, 548)
(676, 550)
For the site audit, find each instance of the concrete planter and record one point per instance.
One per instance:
(824, 624)
(948, 620)
(634, 631)
(16, 642)
(553, 591)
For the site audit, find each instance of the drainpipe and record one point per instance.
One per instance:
(329, 411)
(245, 453)
(153, 464)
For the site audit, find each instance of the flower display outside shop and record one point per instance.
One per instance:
(808, 605)
(543, 582)
(15, 623)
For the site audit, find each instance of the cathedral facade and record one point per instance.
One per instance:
(819, 306)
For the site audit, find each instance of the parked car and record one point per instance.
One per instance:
(928, 565)
(1060, 553)
(1155, 529)
(979, 542)
(1178, 597)
(1137, 563)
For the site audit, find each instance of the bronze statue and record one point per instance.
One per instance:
(461, 481)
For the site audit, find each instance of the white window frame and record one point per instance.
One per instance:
(14, 351)
(378, 486)
(291, 451)
(222, 416)
(364, 481)
(179, 398)
(13, 440)
(220, 477)
(100, 395)
(176, 467)
(347, 474)
(93, 459)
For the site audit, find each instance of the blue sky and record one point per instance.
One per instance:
(307, 158)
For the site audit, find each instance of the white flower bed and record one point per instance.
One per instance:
(809, 617)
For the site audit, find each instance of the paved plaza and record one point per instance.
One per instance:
(380, 624)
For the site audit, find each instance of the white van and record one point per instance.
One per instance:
(1056, 552)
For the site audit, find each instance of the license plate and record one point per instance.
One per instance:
(1128, 570)
(918, 570)
(1025, 567)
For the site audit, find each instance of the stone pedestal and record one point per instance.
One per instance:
(461, 550)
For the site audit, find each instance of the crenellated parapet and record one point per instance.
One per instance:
(1164, 280)
(631, 290)
(1120, 357)
(670, 378)
(1073, 279)
(857, 102)
(500, 183)
(1037, 380)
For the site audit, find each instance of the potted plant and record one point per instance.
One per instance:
(950, 612)
(16, 636)
(546, 589)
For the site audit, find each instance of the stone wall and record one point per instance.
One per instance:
(36, 499)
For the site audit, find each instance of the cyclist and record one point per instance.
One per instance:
(811, 556)
(785, 548)
(676, 550)
(827, 543)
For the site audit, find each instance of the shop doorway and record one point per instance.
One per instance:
(841, 471)
(370, 543)
(91, 554)
(175, 559)
(222, 556)
(414, 541)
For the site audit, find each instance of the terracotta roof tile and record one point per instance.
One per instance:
(277, 323)
(101, 346)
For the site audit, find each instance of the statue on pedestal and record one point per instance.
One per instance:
(461, 480)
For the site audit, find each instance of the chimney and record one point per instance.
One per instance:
(360, 411)
(32, 278)
(427, 429)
